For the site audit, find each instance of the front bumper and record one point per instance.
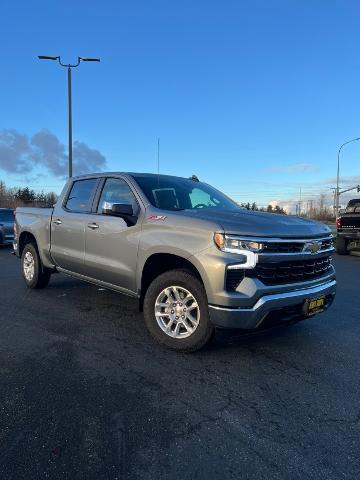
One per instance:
(288, 305)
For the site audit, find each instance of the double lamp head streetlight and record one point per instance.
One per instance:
(69, 67)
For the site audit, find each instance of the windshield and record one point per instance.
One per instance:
(173, 193)
(6, 215)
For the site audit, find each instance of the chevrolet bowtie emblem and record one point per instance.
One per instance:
(312, 247)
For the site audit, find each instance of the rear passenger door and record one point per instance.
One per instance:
(111, 245)
(68, 225)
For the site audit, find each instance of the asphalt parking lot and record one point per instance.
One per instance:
(86, 394)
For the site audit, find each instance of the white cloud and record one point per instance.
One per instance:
(293, 168)
(14, 152)
(22, 154)
(352, 180)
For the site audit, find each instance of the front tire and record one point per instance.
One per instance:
(34, 273)
(341, 246)
(176, 311)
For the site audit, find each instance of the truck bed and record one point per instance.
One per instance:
(37, 222)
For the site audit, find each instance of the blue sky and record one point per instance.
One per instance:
(253, 96)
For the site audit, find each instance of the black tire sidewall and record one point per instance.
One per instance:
(341, 246)
(40, 278)
(185, 279)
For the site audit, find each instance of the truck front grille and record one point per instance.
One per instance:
(277, 273)
(283, 260)
(288, 246)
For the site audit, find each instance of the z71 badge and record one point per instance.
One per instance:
(155, 218)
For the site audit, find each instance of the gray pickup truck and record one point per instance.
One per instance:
(192, 257)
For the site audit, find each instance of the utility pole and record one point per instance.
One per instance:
(334, 204)
(311, 208)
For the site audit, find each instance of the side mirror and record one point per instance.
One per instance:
(117, 209)
(122, 210)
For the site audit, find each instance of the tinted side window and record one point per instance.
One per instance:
(81, 195)
(117, 190)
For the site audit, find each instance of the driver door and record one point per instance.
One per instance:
(111, 246)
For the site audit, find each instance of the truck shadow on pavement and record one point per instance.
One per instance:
(122, 312)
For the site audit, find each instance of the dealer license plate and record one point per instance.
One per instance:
(314, 305)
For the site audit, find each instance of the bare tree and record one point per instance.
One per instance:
(12, 198)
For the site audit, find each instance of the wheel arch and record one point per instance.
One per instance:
(25, 238)
(159, 263)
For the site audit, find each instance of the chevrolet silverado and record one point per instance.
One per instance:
(192, 257)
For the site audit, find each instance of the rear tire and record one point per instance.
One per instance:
(341, 246)
(176, 311)
(34, 273)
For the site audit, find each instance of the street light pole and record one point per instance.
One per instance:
(338, 174)
(69, 67)
(70, 122)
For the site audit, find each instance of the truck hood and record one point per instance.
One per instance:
(262, 224)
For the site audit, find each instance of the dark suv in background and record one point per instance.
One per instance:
(6, 226)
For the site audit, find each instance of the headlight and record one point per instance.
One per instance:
(246, 249)
(232, 244)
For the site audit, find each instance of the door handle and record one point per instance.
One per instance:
(58, 221)
(93, 226)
